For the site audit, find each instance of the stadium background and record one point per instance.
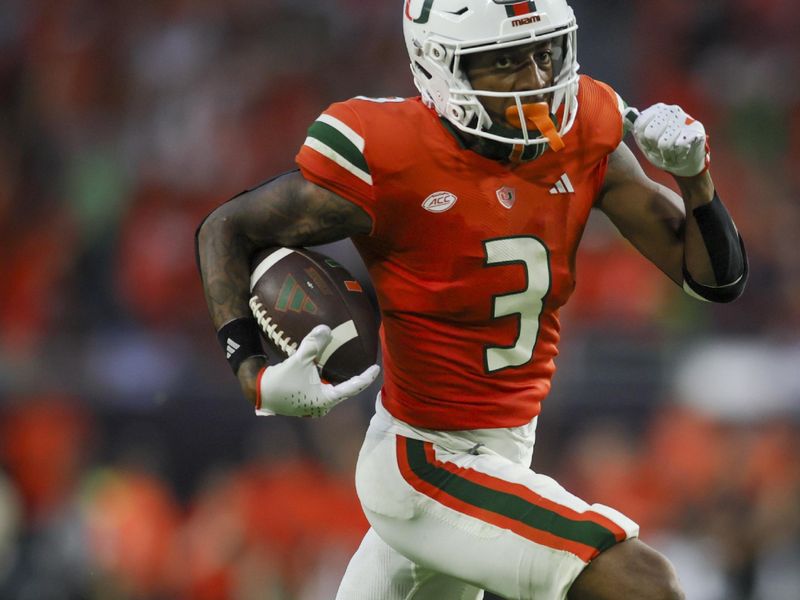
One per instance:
(130, 468)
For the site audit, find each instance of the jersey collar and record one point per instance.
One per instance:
(491, 149)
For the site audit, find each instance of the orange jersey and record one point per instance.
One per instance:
(471, 258)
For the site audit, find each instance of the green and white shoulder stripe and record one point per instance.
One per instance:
(621, 104)
(337, 141)
(628, 116)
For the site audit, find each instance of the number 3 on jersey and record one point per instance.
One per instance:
(527, 304)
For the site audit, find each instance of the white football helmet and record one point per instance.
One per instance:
(438, 33)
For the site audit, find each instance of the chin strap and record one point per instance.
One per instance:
(537, 117)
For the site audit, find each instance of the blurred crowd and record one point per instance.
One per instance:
(130, 468)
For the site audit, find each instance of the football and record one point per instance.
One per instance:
(292, 290)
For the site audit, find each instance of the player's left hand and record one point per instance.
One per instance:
(672, 140)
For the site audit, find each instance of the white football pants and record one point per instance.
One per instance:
(456, 513)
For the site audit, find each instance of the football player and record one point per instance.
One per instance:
(467, 204)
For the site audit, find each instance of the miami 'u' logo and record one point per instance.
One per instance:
(424, 14)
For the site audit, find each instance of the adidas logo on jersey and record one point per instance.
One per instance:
(231, 347)
(563, 186)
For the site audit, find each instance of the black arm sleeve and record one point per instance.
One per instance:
(725, 248)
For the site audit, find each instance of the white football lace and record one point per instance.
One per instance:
(270, 327)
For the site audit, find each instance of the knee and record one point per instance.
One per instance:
(630, 570)
(655, 575)
(662, 582)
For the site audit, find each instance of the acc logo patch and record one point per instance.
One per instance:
(439, 202)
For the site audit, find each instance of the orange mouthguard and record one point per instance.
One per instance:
(537, 116)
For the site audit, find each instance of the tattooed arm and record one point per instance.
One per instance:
(287, 211)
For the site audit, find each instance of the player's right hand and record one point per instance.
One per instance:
(293, 387)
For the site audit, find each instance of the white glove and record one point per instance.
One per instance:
(672, 140)
(293, 387)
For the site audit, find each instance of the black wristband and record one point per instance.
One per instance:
(240, 339)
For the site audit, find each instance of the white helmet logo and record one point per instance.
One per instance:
(424, 13)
